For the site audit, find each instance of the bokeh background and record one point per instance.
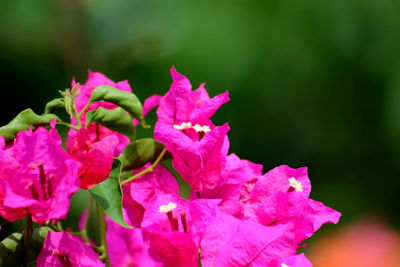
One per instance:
(313, 83)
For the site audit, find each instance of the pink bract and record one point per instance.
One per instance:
(198, 147)
(37, 177)
(126, 247)
(137, 194)
(95, 157)
(96, 132)
(61, 249)
(236, 174)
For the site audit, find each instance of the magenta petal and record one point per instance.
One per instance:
(138, 193)
(278, 179)
(126, 247)
(173, 249)
(231, 242)
(38, 177)
(61, 249)
(96, 158)
(156, 220)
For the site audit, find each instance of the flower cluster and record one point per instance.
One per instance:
(235, 215)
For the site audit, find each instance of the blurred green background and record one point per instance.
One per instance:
(313, 83)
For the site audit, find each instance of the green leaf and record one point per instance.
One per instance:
(109, 195)
(140, 152)
(114, 119)
(125, 100)
(12, 248)
(53, 105)
(23, 121)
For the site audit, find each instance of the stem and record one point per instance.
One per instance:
(29, 230)
(83, 110)
(63, 123)
(149, 169)
(102, 228)
(59, 226)
(85, 223)
(27, 236)
(76, 116)
(52, 227)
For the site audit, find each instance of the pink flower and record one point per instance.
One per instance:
(281, 196)
(174, 228)
(198, 147)
(137, 194)
(228, 241)
(166, 228)
(61, 249)
(95, 157)
(96, 132)
(37, 177)
(126, 247)
(95, 146)
(236, 174)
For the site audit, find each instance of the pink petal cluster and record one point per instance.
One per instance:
(36, 176)
(236, 216)
(184, 126)
(95, 146)
(61, 249)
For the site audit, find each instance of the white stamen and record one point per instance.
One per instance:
(199, 128)
(284, 265)
(297, 185)
(183, 126)
(196, 127)
(167, 208)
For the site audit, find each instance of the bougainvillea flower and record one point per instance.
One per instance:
(96, 132)
(174, 228)
(181, 104)
(165, 227)
(229, 241)
(38, 177)
(95, 157)
(126, 247)
(281, 196)
(136, 194)
(200, 162)
(198, 147)
(236, 175)
(61, 249)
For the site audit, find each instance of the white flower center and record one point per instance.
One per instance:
(183, 126)
(297, 185)
(284, 265)
(167, 208)
(199, 128)
(196, 127)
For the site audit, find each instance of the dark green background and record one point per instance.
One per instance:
(313, 83)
